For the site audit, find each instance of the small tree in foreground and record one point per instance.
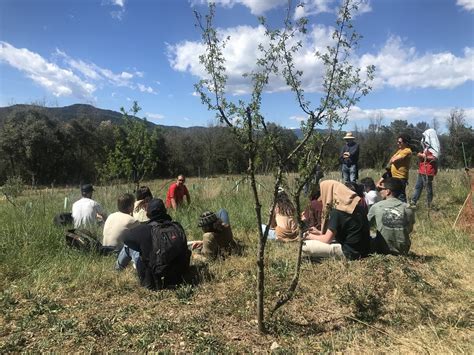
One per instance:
(342, 87)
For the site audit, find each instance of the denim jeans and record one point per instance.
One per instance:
(350, 173)
(124, 257)
(223, 216)
(421, 181)
(403, 195)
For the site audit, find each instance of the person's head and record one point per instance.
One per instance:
(369, 184)
(391, 187)
(349, 138)
(357, 188)
(144, 193)
(156, 210)
(181, 180)
(125, 203)
(208, 221)
(315, 193)
(402, 141)
(87, 190)
(283, 203)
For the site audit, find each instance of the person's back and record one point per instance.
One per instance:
(119, 221)
(86, 211)
(394, 221)
(144, 239)
(218, 239)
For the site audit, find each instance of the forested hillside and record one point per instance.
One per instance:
(71, 144)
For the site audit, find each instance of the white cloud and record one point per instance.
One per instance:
(94, 72)
(402, 67)
(147, 89)
(466, 4)
(257, 7)
(242, 51)
(58, 81)
(298, 118)
(120, 3)
(408, 113)
(154, 116)
(397, 65)
(74, 78)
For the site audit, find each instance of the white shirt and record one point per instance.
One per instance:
(84, 212)
(371, 197)
(115, 224)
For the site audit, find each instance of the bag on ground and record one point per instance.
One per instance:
(63, 219)
(170, 255)
(84, 240)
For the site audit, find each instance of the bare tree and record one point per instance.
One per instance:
(342, 86)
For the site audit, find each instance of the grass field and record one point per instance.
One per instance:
(57, 299)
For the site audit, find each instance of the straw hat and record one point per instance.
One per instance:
(349, 136)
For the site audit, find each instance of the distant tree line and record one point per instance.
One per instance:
(44, 151)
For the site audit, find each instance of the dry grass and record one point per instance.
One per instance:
(56, 299)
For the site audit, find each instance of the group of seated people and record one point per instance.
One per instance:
(338, 217)
(336, 223)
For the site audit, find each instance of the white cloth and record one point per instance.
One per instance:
(431, 142)
(139, 215)
(114, 226)
(318, 249)
(84, 212)
(371, 197)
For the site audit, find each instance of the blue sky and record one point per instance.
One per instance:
(109, 53)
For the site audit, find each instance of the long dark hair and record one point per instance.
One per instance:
(144, 195)
(284, 205)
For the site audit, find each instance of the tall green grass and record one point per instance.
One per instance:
(53, 298)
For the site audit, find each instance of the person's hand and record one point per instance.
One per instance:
(346, 155)
(303, 217)
(197, 245)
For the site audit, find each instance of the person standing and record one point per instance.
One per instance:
(86, 212)
(427, 166)
(176, 193)
(349, 159)
(400, 164)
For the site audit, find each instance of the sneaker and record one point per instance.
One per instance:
(412, 204)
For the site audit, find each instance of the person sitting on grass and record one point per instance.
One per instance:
(217, 240)
(170, 248)
(283, 227)
(86, 212)
(345, 230)
(119, 221)
(312, 214)
(394, 220)
(371, 195)
(144, 196)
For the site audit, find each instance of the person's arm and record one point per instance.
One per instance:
(400, 155)
(325, 238)
(100, 213)
(173, 203)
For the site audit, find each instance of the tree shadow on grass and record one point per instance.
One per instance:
(425, 258)
(197, 274)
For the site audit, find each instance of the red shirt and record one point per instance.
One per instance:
(176, 192)
(428, 166)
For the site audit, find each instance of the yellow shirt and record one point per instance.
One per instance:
(400, 168)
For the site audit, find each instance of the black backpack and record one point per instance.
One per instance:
(63, 219)
(84, 240)
(170, 256)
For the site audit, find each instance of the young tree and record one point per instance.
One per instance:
(136, 151)
(342, 86)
